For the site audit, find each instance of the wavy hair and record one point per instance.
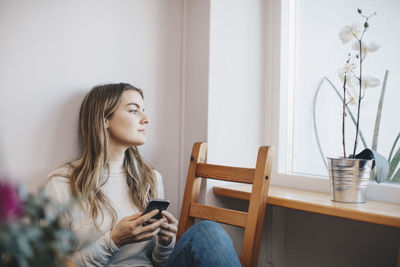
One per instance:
(87, 174)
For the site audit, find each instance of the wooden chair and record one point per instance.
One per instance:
(252, 221)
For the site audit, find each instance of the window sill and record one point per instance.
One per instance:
(377, 192)
(382, 213)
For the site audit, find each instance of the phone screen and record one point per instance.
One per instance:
(160, 204)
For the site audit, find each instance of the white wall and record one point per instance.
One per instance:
(195, 68)
(236, 91)
(52, 53)
(201, 64)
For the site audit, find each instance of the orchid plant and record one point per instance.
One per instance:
(354, 83)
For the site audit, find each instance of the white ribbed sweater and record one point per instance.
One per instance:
(101, 250)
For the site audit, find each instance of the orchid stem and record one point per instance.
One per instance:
(359, 99)
(343, 118)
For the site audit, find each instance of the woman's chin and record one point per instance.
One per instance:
(139, 142)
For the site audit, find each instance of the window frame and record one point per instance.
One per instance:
(278, 127)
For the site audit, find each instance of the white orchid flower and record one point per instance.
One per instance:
(371, 47)
(349, 32)
(353, 96)
(352, 82)
(353, 100)
(369, 82)
(346, 70)
(353, 92)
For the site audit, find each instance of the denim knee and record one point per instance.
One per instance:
(204, 244)
(213, 229)
(209, 225)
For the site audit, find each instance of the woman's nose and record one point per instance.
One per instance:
(145, 119)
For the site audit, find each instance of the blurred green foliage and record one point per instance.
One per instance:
(37, 237)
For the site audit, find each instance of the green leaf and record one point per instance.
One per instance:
(34, 234)
(394, 146)
(379, 113)
(22, 262)
(396, 177)
(394, 162)
(23, 244)
(315, 120)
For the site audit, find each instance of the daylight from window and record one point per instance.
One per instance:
(312, 55)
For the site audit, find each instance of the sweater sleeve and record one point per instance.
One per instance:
(161, 253)
(96, 254)
(99, 252)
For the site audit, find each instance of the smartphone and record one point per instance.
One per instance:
(160, 204)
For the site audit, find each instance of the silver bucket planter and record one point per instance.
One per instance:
(348, 179)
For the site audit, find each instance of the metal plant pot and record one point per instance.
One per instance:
(349, 179)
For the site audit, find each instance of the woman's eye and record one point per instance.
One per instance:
(133, 111)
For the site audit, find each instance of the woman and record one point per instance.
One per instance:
(113, 185)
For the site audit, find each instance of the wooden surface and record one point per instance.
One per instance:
(257, 206)
(372, 211)
(226, 173)
(252, 221)
(192, 188)
(227, 216)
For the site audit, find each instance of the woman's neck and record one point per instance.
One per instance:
(116, 153)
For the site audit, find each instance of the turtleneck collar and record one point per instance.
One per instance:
(116, 166)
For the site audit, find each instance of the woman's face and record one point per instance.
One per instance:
(126, 126)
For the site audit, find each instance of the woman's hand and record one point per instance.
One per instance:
(168, 228)
(130, 229)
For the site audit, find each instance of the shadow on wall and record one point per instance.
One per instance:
(58, 138)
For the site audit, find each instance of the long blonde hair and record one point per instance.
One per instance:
(88, 174)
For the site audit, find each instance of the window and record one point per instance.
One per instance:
(310, 51)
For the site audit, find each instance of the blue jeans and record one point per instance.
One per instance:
(204, 244)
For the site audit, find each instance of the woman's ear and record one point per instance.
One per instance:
(106, 123)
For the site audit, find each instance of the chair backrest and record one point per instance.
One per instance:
(252, 221)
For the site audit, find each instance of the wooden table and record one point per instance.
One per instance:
(372, 211)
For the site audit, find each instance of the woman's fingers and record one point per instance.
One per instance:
(153, 226)
(147, 235)
(134, 216)
(170, 217)
(141, 220)
(167, 233)
(169, 227)
(151, 220)
(147, 232)
(131, 229)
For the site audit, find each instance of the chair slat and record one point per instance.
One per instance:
(192, 188)
(225, 173)
(257, 204)
(253, 221)
(227, 216)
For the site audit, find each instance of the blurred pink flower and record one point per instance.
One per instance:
(10, 204)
